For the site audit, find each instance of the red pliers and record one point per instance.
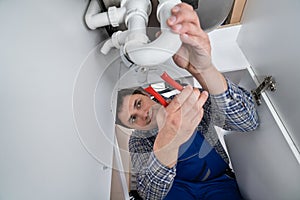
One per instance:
(156, 95)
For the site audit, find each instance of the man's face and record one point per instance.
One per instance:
(139, 112)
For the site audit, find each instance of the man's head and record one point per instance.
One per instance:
(136, 110)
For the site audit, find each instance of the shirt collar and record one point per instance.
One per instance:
(145, 134)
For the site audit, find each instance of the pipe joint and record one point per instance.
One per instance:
(144, 5)
(94, 18)
(117, 40)
(134, 13)
(113, 16)
(138, 8)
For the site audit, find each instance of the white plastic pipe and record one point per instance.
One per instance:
(94, 18)
(117, 40)
(161, 49)
(135, 42)
(136, 20)
(137, 27)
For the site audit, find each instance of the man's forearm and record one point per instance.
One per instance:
(211, 80)
(166, 150)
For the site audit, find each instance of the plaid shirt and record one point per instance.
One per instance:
(232, 110)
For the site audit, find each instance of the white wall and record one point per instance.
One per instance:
(43, 44)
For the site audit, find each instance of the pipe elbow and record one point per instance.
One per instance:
(94, 18)
(161, 49)
(89, 23)
(117, 40)
(92, 10)
(107, 46)
(154, 53)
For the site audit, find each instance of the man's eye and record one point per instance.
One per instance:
(132, 119)
(139, 104)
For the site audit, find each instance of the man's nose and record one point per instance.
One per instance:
(143, 114)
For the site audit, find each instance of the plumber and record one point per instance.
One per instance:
(175, 151)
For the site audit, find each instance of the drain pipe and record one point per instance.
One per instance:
(117, 40)
(94, 18)
(161, 49)
(136, 20)
(134, 42)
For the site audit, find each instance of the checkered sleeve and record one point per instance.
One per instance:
(154, 180)
(234, 109)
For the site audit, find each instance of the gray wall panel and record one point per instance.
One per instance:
(265, 166)
(270, 40)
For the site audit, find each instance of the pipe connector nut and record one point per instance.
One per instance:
(113, 16)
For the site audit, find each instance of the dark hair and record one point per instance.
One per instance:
(123, 93)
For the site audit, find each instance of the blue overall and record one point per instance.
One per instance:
(200, 173)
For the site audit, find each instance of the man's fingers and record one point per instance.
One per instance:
(202, 99)
(199, 111)
(177, 102)
(189, 105)
(183, 13)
